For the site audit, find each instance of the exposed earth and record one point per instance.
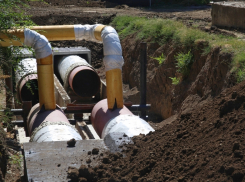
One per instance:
(199, 123)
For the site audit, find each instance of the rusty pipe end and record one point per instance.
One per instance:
(84, 81)
(101, 115)
(28, 89)
(38, 115)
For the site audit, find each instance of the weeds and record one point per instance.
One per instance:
(184, 63)
(163, 31)
(240, 75)
(160, 59)
(175, 80)
(16, 159)
(6, 117)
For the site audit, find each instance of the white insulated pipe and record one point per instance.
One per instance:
(38, 42)
(67, 64)
(111, 43)
(50, 132)
(129, 125)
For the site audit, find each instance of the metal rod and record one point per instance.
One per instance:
(143, 63)
(87, 108)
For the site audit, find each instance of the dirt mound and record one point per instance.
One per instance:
(204, 145)
(124, 6)
(81, 3)
(37, 3)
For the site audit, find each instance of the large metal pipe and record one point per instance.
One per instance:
(80, 76)
(26, 81)
(121, 121)
(50, 125)
(113, 59)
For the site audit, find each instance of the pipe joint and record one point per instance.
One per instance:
(38, 42)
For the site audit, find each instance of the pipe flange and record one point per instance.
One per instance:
(47, 123)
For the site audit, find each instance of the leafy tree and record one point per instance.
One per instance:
(12, 16)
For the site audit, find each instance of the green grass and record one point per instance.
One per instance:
(163, 31)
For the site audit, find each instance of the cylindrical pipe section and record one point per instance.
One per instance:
(80, 76)
(114, 88)
(106, 121)
(46, 82)
(50, 125)
(26, 81)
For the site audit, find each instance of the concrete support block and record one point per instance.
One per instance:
(228, 14)
(62, 98)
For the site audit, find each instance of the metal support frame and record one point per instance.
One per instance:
(143, 63)
(70, 109)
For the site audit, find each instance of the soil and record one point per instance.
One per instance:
(206, 144)
(201, 138)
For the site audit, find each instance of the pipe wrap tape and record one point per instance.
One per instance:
(112, 49)
(85, 32)
(38, 42)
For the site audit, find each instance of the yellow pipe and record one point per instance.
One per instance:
(113, 80)
(8, 41)
(66, 32)
(52, 33)
(97, 32)
(46, 82)
(114, 88)
(56, 32)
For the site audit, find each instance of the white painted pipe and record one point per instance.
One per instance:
(67, 64)
(50, 132)
(129, 125)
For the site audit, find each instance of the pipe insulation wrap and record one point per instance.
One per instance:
(69, 63)
(112, 49)
(58, 131)
(38, 42)
(85, 32)
(130, 125)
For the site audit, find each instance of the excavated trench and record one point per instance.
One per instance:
(209, 74)
(199, 130)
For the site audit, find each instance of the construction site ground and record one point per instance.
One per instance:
(201, 138)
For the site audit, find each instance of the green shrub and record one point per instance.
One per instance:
(160, 59)
(175, 80)
(164, 31)
(184, 63)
